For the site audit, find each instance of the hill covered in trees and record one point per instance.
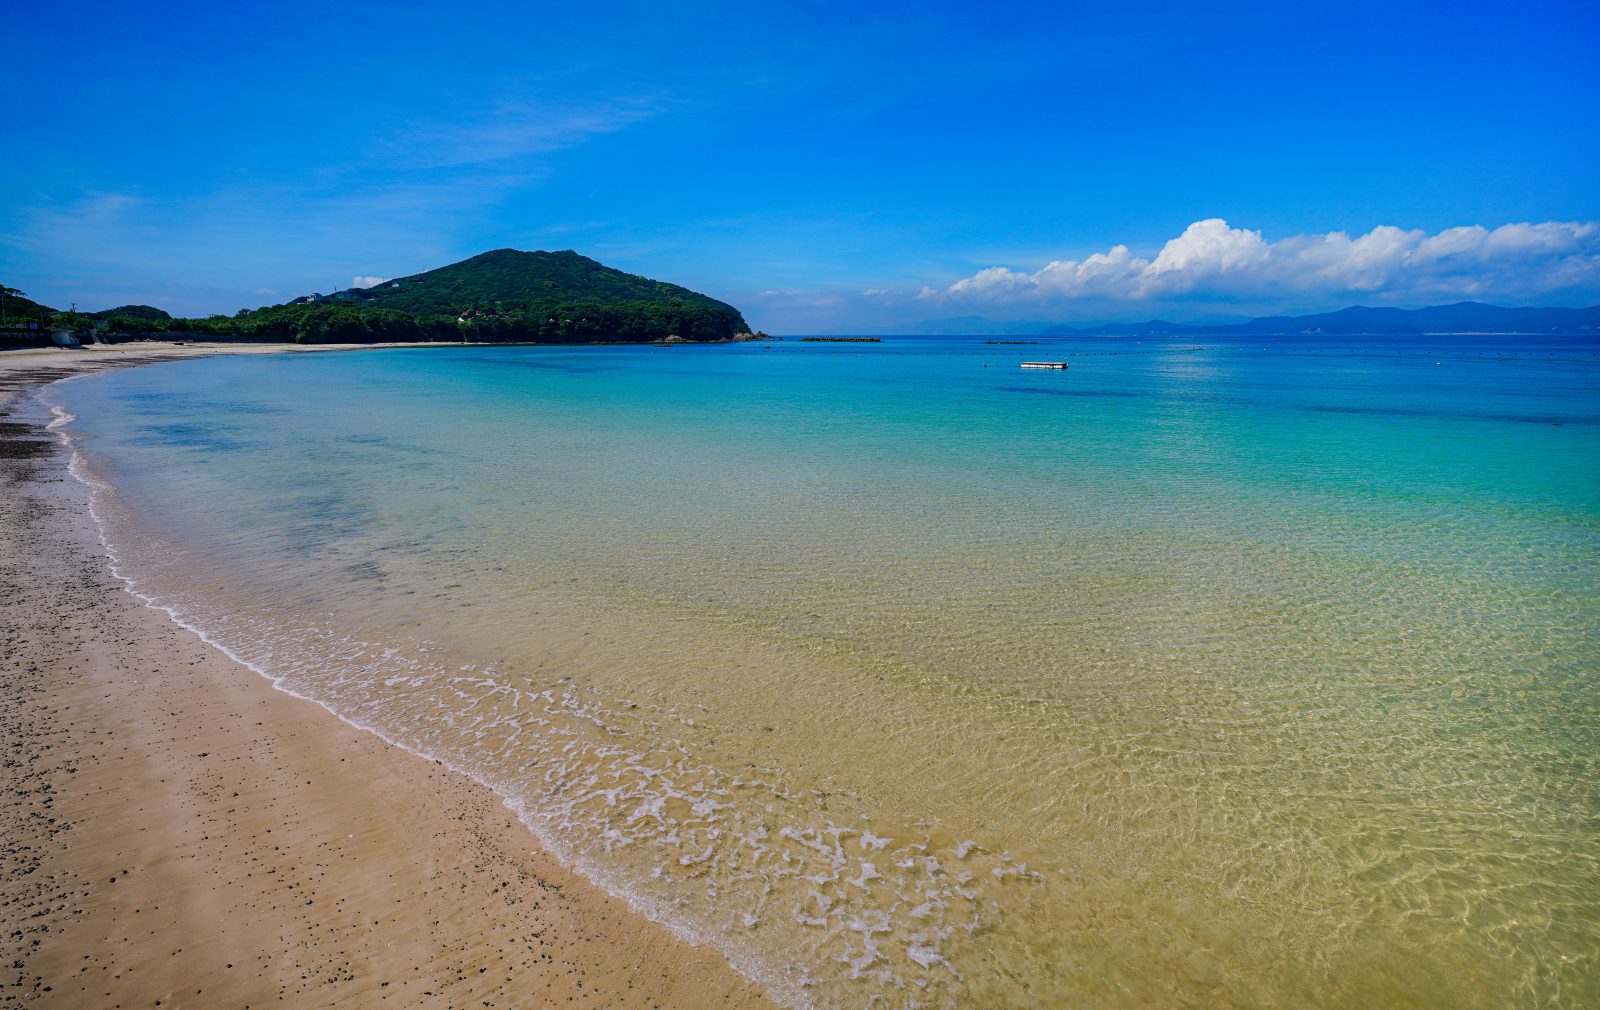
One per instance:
(17, 309)
(504, 295)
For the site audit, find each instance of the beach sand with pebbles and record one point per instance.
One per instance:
(178, 833)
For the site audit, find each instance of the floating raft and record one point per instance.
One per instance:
(1044, 364)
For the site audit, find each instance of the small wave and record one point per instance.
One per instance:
(818, 913)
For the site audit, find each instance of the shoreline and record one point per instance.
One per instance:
(179, 830)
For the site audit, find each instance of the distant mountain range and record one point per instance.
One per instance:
(563, 297)
(1461, 317)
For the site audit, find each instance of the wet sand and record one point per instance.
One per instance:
(177, 833)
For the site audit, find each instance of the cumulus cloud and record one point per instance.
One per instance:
(366, 282)
(1212, 259)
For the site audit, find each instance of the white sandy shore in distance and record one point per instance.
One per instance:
(175, 832)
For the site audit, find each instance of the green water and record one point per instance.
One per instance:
(1200, 674)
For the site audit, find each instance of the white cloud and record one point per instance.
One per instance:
(1099, 274)
(513, 130)
(417, 195)
(366, 282)
(1206, 250)
(1212, 260)
(215, 251)
(992, 283)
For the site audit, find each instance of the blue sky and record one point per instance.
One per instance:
(824, 167)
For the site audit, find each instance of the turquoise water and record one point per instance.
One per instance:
(1202, 673)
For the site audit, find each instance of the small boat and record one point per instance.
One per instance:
(1044, 364)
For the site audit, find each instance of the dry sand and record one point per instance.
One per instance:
(174, 832)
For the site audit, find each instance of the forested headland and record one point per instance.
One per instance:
(500, 296)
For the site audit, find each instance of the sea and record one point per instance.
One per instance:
(1250, 672)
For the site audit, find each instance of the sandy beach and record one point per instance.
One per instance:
(178, 833)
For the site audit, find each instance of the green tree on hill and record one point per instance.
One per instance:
(504, 295)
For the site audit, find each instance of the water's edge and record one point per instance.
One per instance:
(740, 960)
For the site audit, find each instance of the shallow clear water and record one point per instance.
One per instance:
(1214, 674)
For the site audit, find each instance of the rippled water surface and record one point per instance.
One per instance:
(1212, 674)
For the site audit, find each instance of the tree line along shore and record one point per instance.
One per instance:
(500, 296)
